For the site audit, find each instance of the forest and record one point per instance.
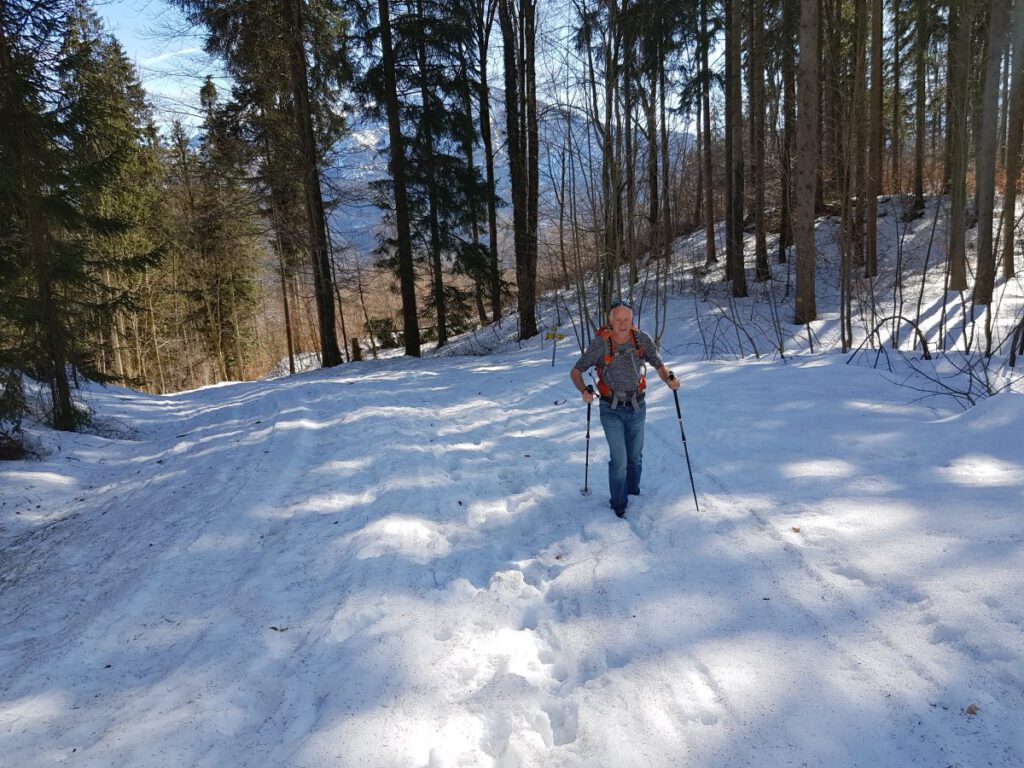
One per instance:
(518, 148)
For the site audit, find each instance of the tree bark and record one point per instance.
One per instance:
(406, 272)
(806, 163)
(483, 43)
(858, 129)
(730, 243)
(986, 151)
(897, 100)
(755, 25)
(1004, 111)
(789, 12)
(959, 60)
(518, 38)
(738, 273)
(1013, 141)
(426, 135)
(666, 202)
(709, 187)
(920, 104)
(316, 219)
(876, 145)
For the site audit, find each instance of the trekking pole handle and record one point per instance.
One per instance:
(675, 393)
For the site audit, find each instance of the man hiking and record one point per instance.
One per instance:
(620, 352)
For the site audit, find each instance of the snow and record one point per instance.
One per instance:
(390, 564)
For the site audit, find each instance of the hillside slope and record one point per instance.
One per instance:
(390, 564)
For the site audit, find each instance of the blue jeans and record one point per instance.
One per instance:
(624, 430)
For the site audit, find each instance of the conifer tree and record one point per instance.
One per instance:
(70, 113)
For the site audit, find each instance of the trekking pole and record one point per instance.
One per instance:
(586, 469)
(682, 433)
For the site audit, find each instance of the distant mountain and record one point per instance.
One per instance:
(361, 158)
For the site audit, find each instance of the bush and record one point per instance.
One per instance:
(383, 330)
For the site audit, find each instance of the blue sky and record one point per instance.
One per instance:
(169, 56)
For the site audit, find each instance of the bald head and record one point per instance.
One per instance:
(621, 319)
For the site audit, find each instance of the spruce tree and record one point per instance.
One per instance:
(70, 113)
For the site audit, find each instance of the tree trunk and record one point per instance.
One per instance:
(630, 152)
(608, 190)
(959, 60)
(755, 25)
(730, 243)
(666, 203)
(876, 146)
(407, 275)
(483, 43)
(709, 187)
(698, 205)
(426, 135)
(653, 181)
(480, 281)
(897, 101)
(806, 163)
(789, 19)
(287, 309)
(518, 37)
(316, 220)
(920, 103)
(738, 272)
(819, 181)
(858, 128)
(986, 151)
(528, 283)
(1013, 141)
(1004, 112)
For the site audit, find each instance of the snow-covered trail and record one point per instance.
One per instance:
(390, 564)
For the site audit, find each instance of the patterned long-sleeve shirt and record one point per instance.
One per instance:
(623, 372)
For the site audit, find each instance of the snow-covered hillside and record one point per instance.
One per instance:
(391, 564)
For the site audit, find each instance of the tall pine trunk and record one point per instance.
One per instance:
(709, 187)
(858, 126)
(897, 100)
(959, 62)
(875, 142)
(517, 21)
(789, 19)
(730, 243)
(308, 157)
(806, 162)
(1013, 141)
(483, 44)
(666, 202)
(406, 272)
(986, 152)
(755, 25)
(738, 273)
(920, 104)
(1004, 110)
(426, 134)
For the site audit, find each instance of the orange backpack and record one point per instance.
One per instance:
(605, 332)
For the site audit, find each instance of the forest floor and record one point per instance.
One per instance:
(390, 563)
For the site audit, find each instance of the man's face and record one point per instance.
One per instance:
(621, 319)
